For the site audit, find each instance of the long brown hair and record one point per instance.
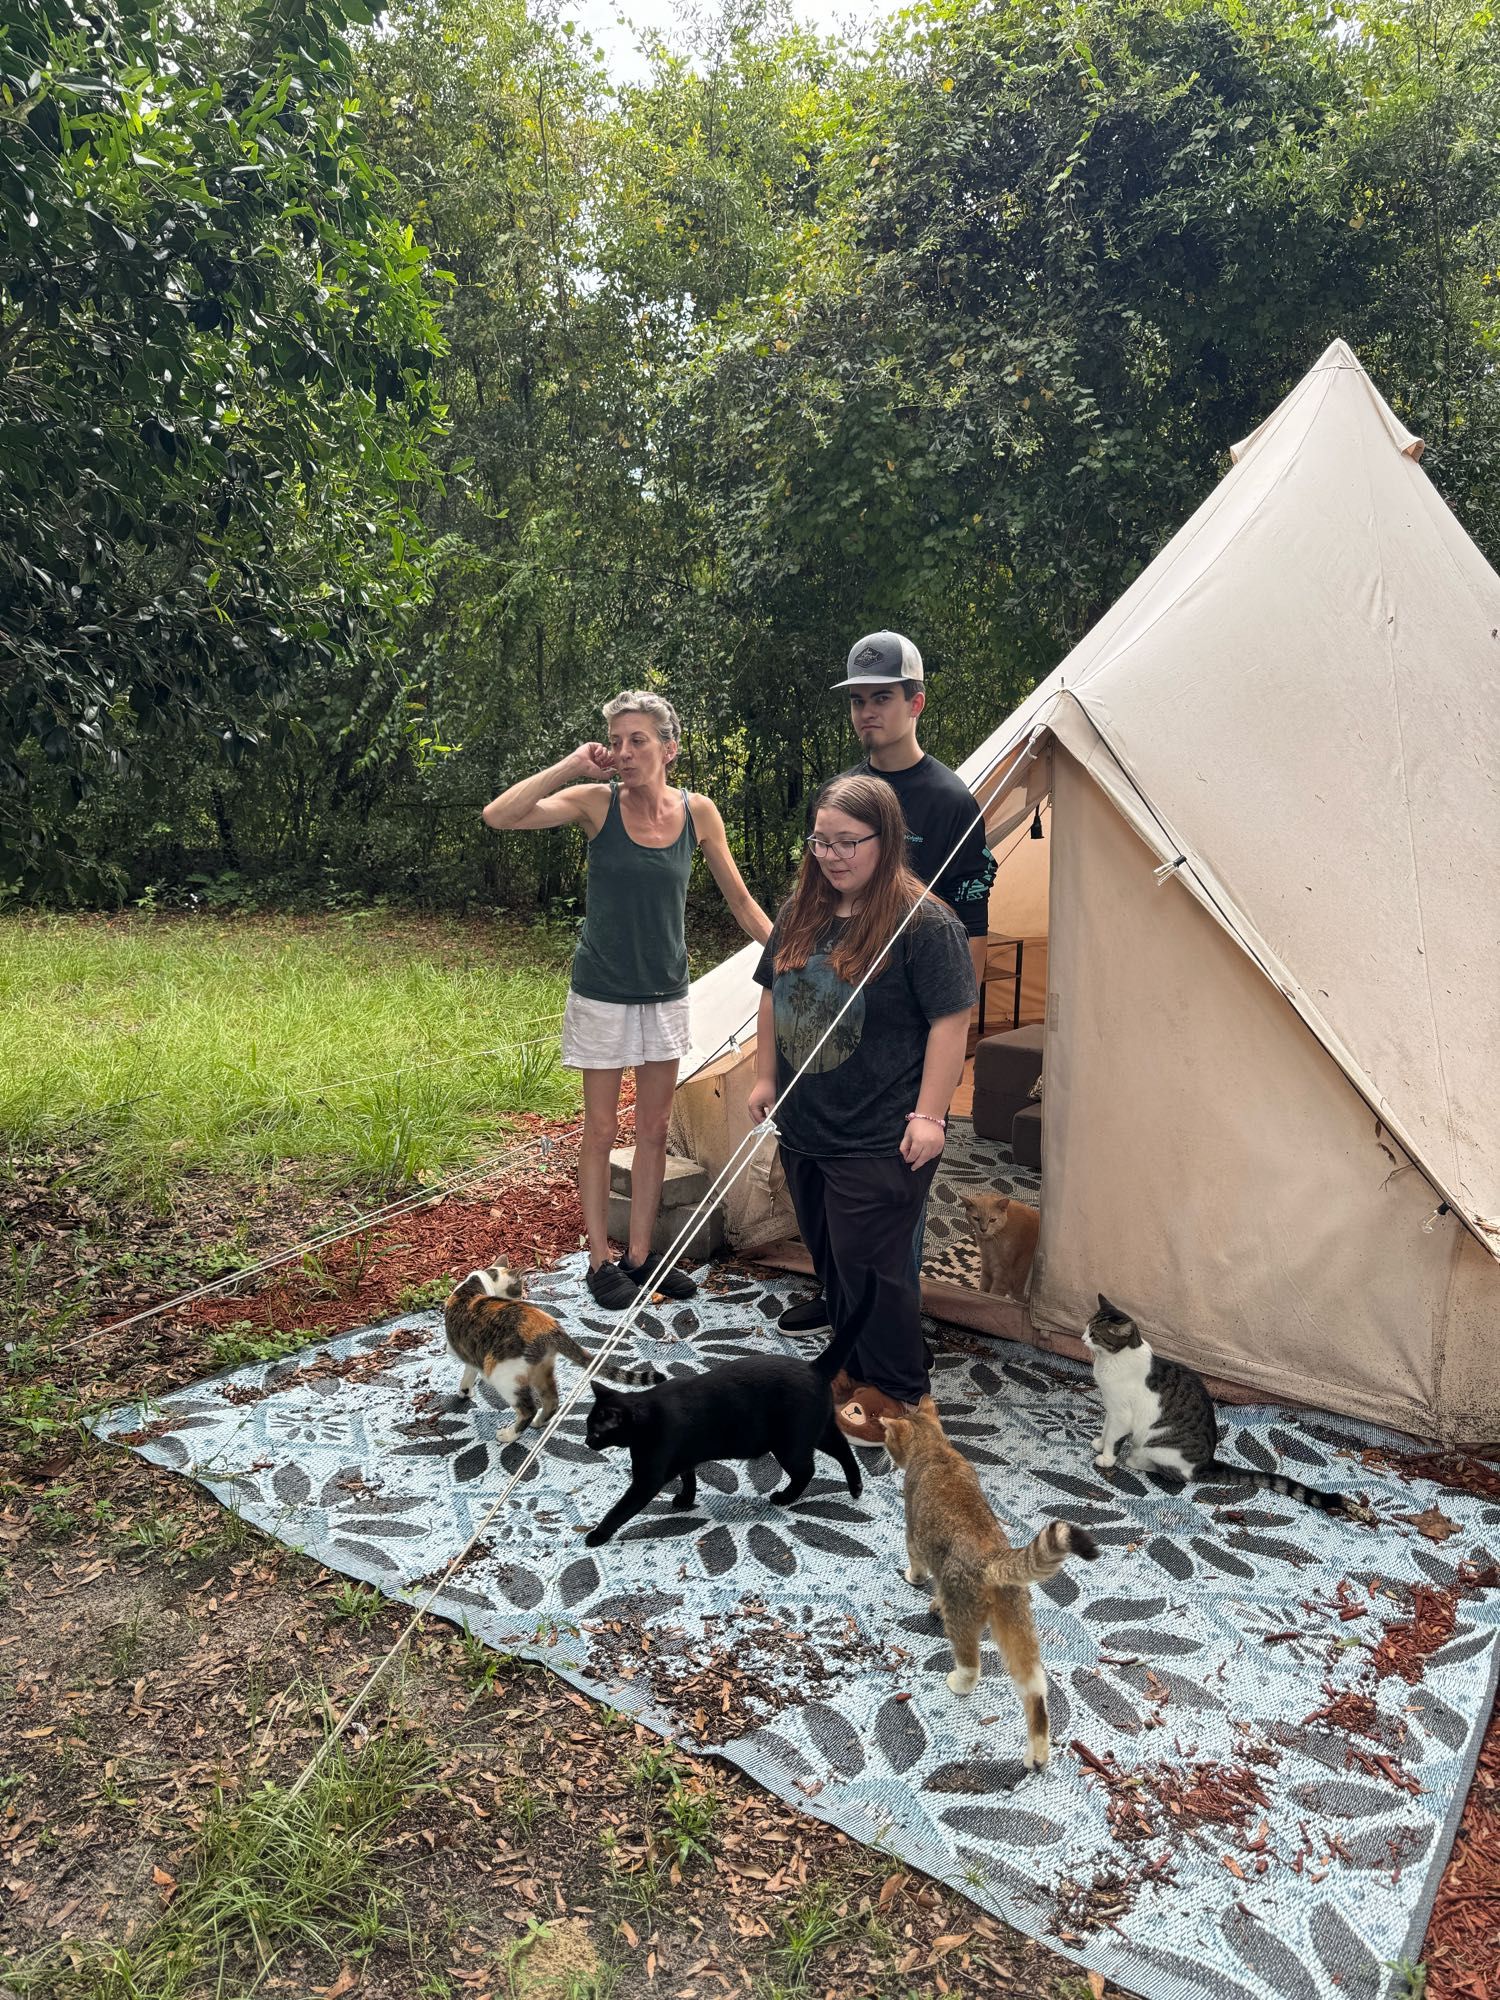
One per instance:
(889, 894)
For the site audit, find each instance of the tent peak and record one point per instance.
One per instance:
(1338, 357)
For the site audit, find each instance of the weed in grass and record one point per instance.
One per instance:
(11, 1782)
(270, 1874)
(518, 1803)
(357, 1605)
(1413, 1972)
(689, 1810)
(36, 1418)
(652, 1766)
(643, 1885)
(158, 1532)
(481, 1665)
(421, 1298)
(229, 1535)
(241, 1341)
(812, 1924)
(123, 1642)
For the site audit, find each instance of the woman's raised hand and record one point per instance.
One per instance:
(593, 760)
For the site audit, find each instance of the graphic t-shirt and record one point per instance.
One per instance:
(938, 806)
(865, 1078)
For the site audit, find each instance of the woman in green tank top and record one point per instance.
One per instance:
(627, 1004)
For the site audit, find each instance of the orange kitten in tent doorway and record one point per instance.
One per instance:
(1006, 1231)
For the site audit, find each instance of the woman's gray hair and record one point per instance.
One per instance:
(638, 701)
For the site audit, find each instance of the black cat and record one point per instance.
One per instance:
(762, 1403)
(741, 1410)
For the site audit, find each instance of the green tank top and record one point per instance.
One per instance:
(633, 948)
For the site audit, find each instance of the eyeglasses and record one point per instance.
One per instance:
(818, 847)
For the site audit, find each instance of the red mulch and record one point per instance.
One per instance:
(1463, 1939)
(528, 1215)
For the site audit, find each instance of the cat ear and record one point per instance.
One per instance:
(1104, 1304)
(927, 1406)
(604, 1394)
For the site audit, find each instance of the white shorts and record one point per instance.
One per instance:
(606, 1034)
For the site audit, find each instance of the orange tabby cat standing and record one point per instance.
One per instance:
(978, 1579)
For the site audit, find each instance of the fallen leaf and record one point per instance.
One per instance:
(1234, 1867)
(1096, 1985)
(1433, 1524)
(629, 1935)
(888, 1889)
(162, 1879)
(950, 1941)
(345, 1983)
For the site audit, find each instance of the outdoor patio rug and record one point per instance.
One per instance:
(1264, 1720)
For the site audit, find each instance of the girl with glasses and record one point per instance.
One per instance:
(862, 1132)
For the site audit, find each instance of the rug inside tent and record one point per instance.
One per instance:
(1265, 1720)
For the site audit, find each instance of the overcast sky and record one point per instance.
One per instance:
(600, 18)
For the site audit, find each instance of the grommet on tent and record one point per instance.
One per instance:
(1166, 870)
(1036, 823)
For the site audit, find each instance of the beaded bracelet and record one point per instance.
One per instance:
(930, 1116)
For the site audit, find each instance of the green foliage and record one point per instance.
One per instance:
(787, 341)
(214, 348)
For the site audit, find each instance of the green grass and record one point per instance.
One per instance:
(271, 1875)
(169, 1044)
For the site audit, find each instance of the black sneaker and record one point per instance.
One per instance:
(670, 1282)
(806, 1318)
(609, 1287)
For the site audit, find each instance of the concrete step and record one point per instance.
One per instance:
(684, 1185)
(707, 1236)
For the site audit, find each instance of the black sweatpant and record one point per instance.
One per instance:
(857, 1214)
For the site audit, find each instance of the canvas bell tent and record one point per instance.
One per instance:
(1263, 937)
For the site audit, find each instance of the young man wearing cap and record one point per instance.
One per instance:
(946, 843)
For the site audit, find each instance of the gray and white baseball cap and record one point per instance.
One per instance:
(879, 659)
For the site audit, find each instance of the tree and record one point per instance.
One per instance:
(214, 349)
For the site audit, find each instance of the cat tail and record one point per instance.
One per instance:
(1042, 1557)
(1220, 1469)
(629, 1374)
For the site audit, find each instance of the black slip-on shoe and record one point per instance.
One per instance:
(611, 1288)
(806, 1318)
(670, 1282)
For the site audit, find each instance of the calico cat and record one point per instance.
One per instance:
(1158, 1413)
(978, 1579)
(756, 1404)
(1006, 1231)
(493, 1332)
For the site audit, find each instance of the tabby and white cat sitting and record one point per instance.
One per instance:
(495, 1333)
(1158, 1414)
(1006, 1231)
(978, 1579)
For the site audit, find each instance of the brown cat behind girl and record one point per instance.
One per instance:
(978, 1579)
(495, 1333)
(1006, 1231)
